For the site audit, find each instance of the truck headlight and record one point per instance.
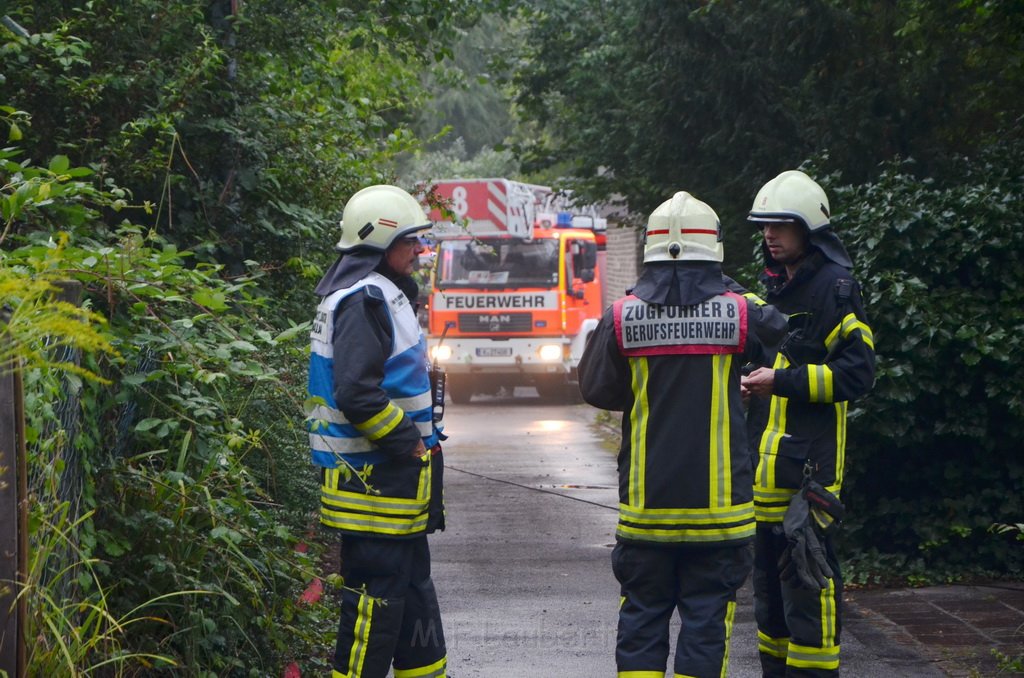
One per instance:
(441, 352)
(550, 352)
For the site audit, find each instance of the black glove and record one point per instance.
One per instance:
(803, 562)
(826, 509)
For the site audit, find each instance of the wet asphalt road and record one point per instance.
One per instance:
(523, 570)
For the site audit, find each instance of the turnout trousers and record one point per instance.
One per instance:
(393, 616)
(701, 582)
(797, 628)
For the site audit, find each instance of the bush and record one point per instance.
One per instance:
(934, 450)
(178, 539)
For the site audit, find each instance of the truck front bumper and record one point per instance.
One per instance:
(520, 355)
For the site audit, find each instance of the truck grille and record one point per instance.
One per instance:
(495, 322)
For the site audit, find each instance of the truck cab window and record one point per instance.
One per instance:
(490, 262)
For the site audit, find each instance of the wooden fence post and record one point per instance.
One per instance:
(14, 508)
(13, 527)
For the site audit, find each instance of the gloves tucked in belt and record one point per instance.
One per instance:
(812, 513)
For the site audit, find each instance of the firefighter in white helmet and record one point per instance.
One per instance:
(798, 425)
(669, 356)
(375, 440)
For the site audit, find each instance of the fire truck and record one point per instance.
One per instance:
(516, 287)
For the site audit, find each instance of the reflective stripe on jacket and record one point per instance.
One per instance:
(684, 469)
(828, 360)
(333, 438)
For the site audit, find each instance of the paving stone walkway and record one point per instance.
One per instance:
(960, 628)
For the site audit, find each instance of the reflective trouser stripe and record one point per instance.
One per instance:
(776, 647)
(435, 670)
(805, 657)
(641, 674)
(360, 640)
(730, 616)
(828, 615)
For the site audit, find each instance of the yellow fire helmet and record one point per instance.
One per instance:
(792, 196)
(683, 229)
(378, 215)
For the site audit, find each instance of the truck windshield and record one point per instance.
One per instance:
(497, 263)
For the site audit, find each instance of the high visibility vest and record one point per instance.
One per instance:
(332, 437)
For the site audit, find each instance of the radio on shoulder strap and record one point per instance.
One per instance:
(844, 289)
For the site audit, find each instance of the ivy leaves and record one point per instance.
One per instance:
(940, 265)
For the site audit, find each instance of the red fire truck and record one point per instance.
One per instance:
(516, 288)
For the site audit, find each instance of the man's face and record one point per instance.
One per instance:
(786, 240)
(401, 255)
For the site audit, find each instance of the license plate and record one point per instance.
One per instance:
(494, 352)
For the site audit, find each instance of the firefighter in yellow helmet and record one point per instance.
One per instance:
(375, 440)
(669, 356)
(798, 425)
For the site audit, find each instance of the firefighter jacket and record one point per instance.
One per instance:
(370, 386)
(684, 470)
(826, 360)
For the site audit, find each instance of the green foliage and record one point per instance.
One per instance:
(1010, 664)
(717, 97)
(225, 139)
(934, 450)
(246, 132)
(466, 93)
(183, 540)
(652, 97)
(176, 555)
(454, 162)
(32, 312)
(52, 196)
(1016, 529)
(73, 634)
(33, 316)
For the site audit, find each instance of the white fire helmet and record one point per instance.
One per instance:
(378, 215)
(792, 196)
(683, 229)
